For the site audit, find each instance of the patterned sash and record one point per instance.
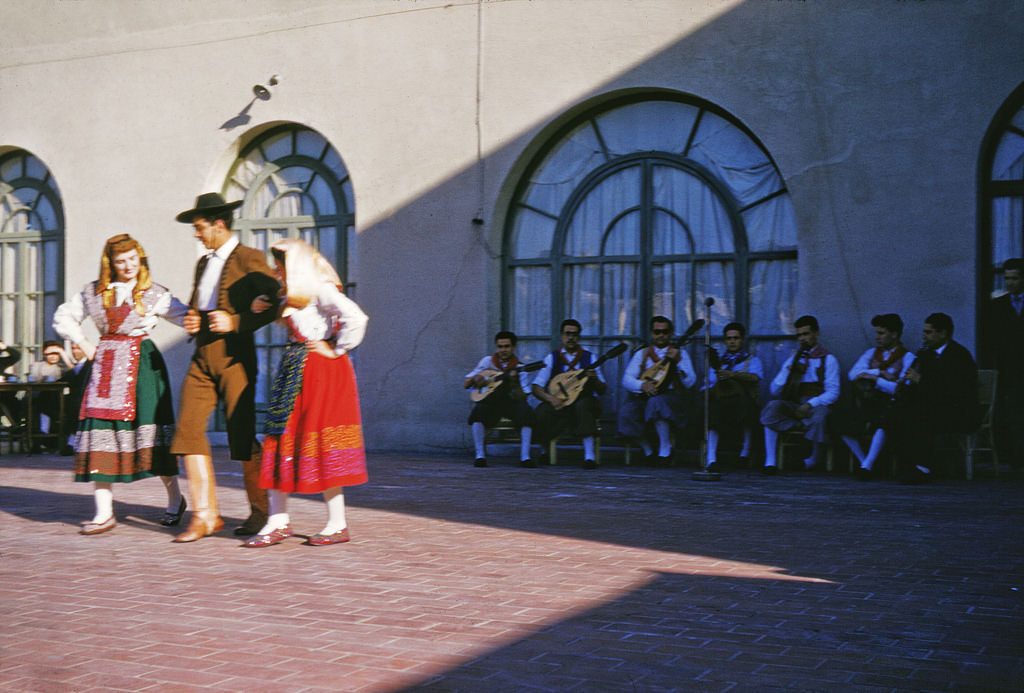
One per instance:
(287, 384)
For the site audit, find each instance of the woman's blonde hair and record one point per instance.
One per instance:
(115, 245)
(305, 270)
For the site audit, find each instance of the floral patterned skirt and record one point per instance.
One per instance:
(322, 443)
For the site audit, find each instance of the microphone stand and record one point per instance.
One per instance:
(703, 474)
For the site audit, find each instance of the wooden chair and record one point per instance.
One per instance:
(795, 438)
(983, 439)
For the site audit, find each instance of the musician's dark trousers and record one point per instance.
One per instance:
(579, 418)
(640, 410)
(490, 410)
(780, 415)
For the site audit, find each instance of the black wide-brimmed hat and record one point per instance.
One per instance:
(208, 205)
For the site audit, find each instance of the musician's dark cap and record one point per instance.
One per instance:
(208, 205)
(889, 321)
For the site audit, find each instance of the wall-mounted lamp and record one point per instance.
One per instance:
(263, 93)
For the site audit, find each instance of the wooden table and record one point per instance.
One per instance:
(28, 434)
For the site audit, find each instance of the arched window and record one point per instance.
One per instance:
(31, 252)
(294, 185)
(1001, 194)
(645, 206)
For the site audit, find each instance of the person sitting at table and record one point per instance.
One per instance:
(46, 405)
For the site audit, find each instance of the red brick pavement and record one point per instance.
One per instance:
(508, 579)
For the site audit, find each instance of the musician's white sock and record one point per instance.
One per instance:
(813, 459)
(664, 438)
(877, 442)
(478, 439)
(525, 435)
(770, 439)
(648, 450)
(588, 448)
(712, 447)
(856, 449)
(747, 434)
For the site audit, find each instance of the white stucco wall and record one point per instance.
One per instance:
(873, 111)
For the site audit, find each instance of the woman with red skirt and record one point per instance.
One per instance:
(314, 441)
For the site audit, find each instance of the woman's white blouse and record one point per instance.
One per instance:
(68, 319)
(331, 309)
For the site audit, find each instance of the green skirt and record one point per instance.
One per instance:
(112, 451)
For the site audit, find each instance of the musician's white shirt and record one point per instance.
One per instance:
(831, 382)
(487, 364)
(863, 365)
(545, 373)
(632, 381)
(749, 365)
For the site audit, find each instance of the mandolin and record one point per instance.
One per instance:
(658, 373)
(494, 378)
(567, 386)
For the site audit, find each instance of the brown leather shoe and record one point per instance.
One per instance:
(253, 524)
(99, 527)
(199, 528)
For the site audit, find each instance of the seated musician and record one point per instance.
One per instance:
(732, 402)
(552, 414)
(807, 386)
(875, 376)
(507, 399)
(657, 379)
(941, 397)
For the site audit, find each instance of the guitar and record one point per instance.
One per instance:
(567, 386)
(494, 378)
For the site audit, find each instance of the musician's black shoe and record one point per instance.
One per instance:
(864, 474)
(916, 476)
(480, 462)
(589, 464)
(743, 461)
(665, 461)
(528, 463)
(769, 471)
(650, 460)
(714, 467)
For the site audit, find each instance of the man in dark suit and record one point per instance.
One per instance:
(1003, 338)
(940, 397)
(223, 367)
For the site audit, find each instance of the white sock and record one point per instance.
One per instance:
(813, 459)
(103, 493)
(770, 439)
(745, 452)
(173, 493)
(44, 423)
(712, 447)
(856, 449)
(877, 442)
(664, 438)
(648, 450)
(525, 435)
(278, 519)
(335, 500)
(478, 439)
(588, 448)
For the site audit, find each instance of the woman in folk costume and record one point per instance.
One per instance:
(314, 441)
(126, 420)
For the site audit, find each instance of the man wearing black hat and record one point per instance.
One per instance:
(223, 367)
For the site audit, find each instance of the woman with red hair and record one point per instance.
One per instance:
(127, 418)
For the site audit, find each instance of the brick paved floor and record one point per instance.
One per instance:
(505, 579)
